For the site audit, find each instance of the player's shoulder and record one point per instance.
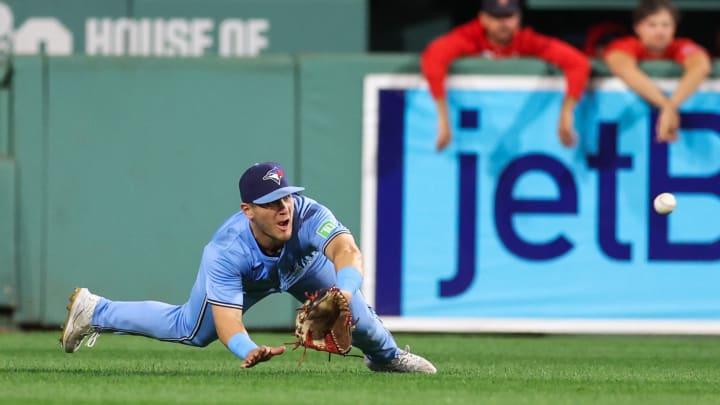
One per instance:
(684, 46)
(469, 29)
(628, 42)
(313, 217)
(530, 42)
(231, 236)
(306, 207)
(628, 45)
(528, 33)
(681, 41)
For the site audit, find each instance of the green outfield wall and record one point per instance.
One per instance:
(184, 28)
(8, 249)
(115, 172)
(127, 166)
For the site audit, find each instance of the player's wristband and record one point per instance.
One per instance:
(241, 345)
(349, 279)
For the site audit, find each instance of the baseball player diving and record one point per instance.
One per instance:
(278, 241)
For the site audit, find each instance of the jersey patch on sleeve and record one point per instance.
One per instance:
(326, 228)
(689, 48)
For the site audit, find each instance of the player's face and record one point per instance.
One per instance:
(500, 30)
(272, 222)
(656, 31)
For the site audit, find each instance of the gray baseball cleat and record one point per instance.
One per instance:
(79, 321)
(405, 362)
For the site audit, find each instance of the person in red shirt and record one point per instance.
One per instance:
(496, 33)
(654, 23)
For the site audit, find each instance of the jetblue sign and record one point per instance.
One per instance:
(507, 225)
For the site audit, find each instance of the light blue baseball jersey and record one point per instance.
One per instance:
(235, 273)
(233, 264)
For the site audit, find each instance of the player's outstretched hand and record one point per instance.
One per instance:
(260, 354)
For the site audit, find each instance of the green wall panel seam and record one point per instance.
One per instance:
(296, 121)
(46, 187)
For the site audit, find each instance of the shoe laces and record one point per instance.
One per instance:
(91, 339)
(403, 358)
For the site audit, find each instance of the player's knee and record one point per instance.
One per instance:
(201, 341)
(196, 343)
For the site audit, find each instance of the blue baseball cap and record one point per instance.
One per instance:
(265, 182)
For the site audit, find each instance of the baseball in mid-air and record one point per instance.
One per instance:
(664, 203)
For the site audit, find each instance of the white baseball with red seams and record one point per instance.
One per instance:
(664, 203)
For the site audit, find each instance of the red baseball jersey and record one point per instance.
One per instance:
(678, 50)
(469, 39)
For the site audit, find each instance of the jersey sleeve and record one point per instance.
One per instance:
(223, 283)
(682, 48)
(320, 227)
(628, 45)
(437, 57)
(573, 63)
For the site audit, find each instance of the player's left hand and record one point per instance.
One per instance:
(566, 130)
(260, 354)
(324, 322)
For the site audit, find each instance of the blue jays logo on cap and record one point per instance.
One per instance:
(274, 174)
(255, 187)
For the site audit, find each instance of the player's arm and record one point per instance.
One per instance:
(624, 66)
(435, 69)
(343, 252)
(697, 68)
(444, 133)
(232, 333)
(566, 124)
(435, 62)
(225, 293)
(576, 68)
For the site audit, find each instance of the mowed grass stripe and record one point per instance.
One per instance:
(472, 369)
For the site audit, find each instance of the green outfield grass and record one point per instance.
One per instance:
(471, 369)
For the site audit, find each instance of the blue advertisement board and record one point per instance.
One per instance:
(506, 224)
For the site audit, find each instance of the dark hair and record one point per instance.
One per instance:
(648, 7)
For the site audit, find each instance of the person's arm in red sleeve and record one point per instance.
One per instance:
(697, 67)
(577, 73)
(621, 58)
(696, 63)
(435, 63)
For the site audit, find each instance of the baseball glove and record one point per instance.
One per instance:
(324, 323)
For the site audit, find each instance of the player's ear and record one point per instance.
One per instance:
(245, 207)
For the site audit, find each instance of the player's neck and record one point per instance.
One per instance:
(273, 251)
(268, 245)
(270, 249)
(499, 43)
